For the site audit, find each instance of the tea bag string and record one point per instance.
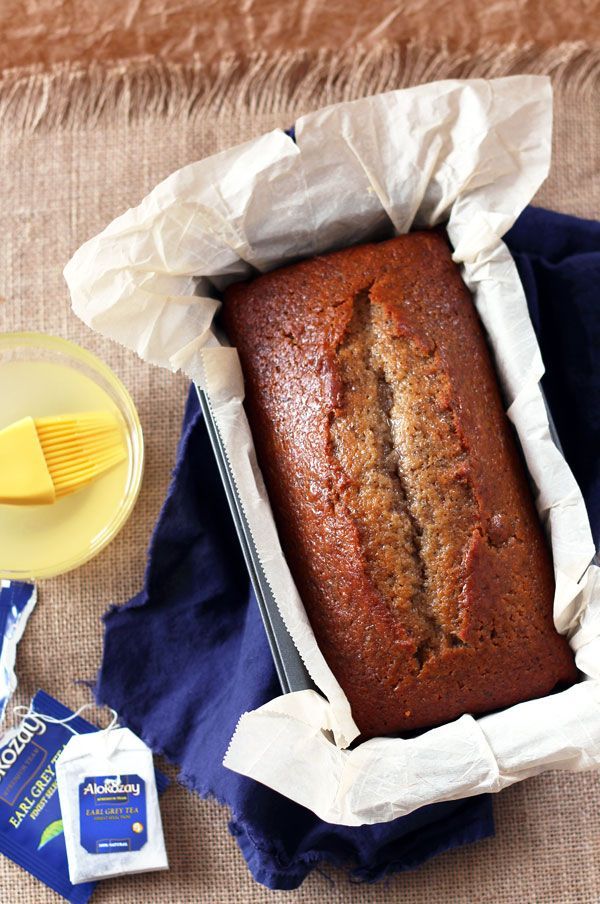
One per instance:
(25, 712)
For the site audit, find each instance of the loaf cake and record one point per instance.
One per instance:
(400, 496)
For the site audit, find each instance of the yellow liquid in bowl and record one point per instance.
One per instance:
(41, 540)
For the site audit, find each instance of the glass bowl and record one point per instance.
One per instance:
(41, 376)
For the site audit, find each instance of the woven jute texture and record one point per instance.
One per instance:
(76, 148)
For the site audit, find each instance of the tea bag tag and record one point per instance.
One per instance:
(109, 803)
(112, 807)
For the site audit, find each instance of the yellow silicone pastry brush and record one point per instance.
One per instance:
(43, 459)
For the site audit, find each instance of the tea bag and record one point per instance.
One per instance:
(109, 804)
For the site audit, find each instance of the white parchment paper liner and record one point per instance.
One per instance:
(469, 153)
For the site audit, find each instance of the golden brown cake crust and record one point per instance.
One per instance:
(401, 501)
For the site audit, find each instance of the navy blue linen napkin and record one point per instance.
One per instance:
(558, 258)
(188, 655)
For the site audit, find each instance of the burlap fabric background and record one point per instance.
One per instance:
(76, 148)
(52, 31)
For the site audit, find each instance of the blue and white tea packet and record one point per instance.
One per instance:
(32, 831)
(31, 828)
(109, 804)
(17, 601)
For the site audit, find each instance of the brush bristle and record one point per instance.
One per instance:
(78, 448)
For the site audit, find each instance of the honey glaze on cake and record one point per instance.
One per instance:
(400, 498)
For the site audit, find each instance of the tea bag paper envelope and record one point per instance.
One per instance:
(31, 828)
(468, 154)
(17, 601)
(109, 805)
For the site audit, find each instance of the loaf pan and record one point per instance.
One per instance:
(290, 669)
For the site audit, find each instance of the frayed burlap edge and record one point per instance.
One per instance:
(73, 96)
